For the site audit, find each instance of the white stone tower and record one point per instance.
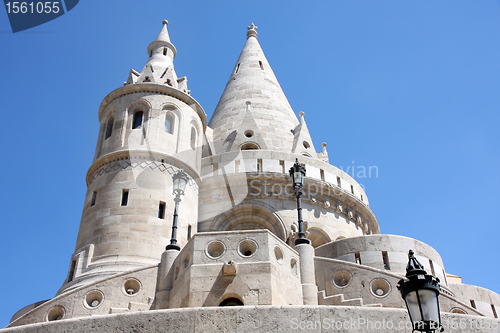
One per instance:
(256, 139)
(149, 128)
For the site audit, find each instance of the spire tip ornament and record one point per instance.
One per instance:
(252, 31)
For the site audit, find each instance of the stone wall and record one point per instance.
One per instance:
(261, 319)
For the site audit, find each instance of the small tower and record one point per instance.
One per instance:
(149, 128)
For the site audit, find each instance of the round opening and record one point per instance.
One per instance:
(342, 278)
(293, 266)
(93, 299)
(247, 248)
(278, 254)
(380, 287)
(458, 310)
(232, 301)
(306, 144)
(177, 269)
(56, 313)
(131, 287)
(248, 133)
(249, 146)
(186, 259)
(215, 249)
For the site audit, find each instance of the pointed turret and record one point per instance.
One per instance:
(160, 66)
(302, 143)
(253, 81)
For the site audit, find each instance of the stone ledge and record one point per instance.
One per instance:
(259, 319)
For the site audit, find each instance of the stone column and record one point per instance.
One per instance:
(307, 274)
(165, 279)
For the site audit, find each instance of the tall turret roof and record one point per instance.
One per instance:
(253, 81)
(160, 66)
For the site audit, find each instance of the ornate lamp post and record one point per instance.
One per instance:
(180, 179)
(298, 172)
(420, 292)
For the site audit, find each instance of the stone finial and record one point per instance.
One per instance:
(165, 22)
(301, 115)
(252, 31)
(324, 147)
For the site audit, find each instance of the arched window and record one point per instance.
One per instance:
(193, 138)
(232, 301)
(169, 123)
(137, 121)
(109, 127)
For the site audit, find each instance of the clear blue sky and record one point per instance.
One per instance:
(411, 87)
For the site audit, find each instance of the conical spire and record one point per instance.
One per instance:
(163, 36)
(302, 143)
(160, 66)
(253, 80)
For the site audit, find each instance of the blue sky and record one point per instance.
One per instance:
(411, 87)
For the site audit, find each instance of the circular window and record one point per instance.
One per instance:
(278, 254)
(248, 133)
(247, 248)
(380, 287)
(249, 146)
(342, 278)
(131, 287)
(186, 259)
(458, 310)
(177, 269)
(215, 249)
(293, 266)
(306, 144)
(56, 313)
(93, 299)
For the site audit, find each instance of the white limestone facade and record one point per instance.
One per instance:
(237, 221)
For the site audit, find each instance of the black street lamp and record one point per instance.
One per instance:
(420, 292)
(298, 172)
(180, 180)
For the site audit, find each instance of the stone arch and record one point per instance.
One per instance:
(250, 216)
(173, 110)
(318, 237)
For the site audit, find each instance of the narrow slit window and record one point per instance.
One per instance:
(109, 127)
(339, 184)
(237, 68)
(432, 268)
(193, 138)
(125, 197)
(137, 121)
(261, 65)
(362, 197)
(169, 124)
(164, 51)
(161, 210)
(282, 165)
(189, 232)
(322, 174)
(94, 195)
(473, 303)
(358, 258)
(259, 165)
(494, 311)
(71, 273)
(352, 189)
(385, 258)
